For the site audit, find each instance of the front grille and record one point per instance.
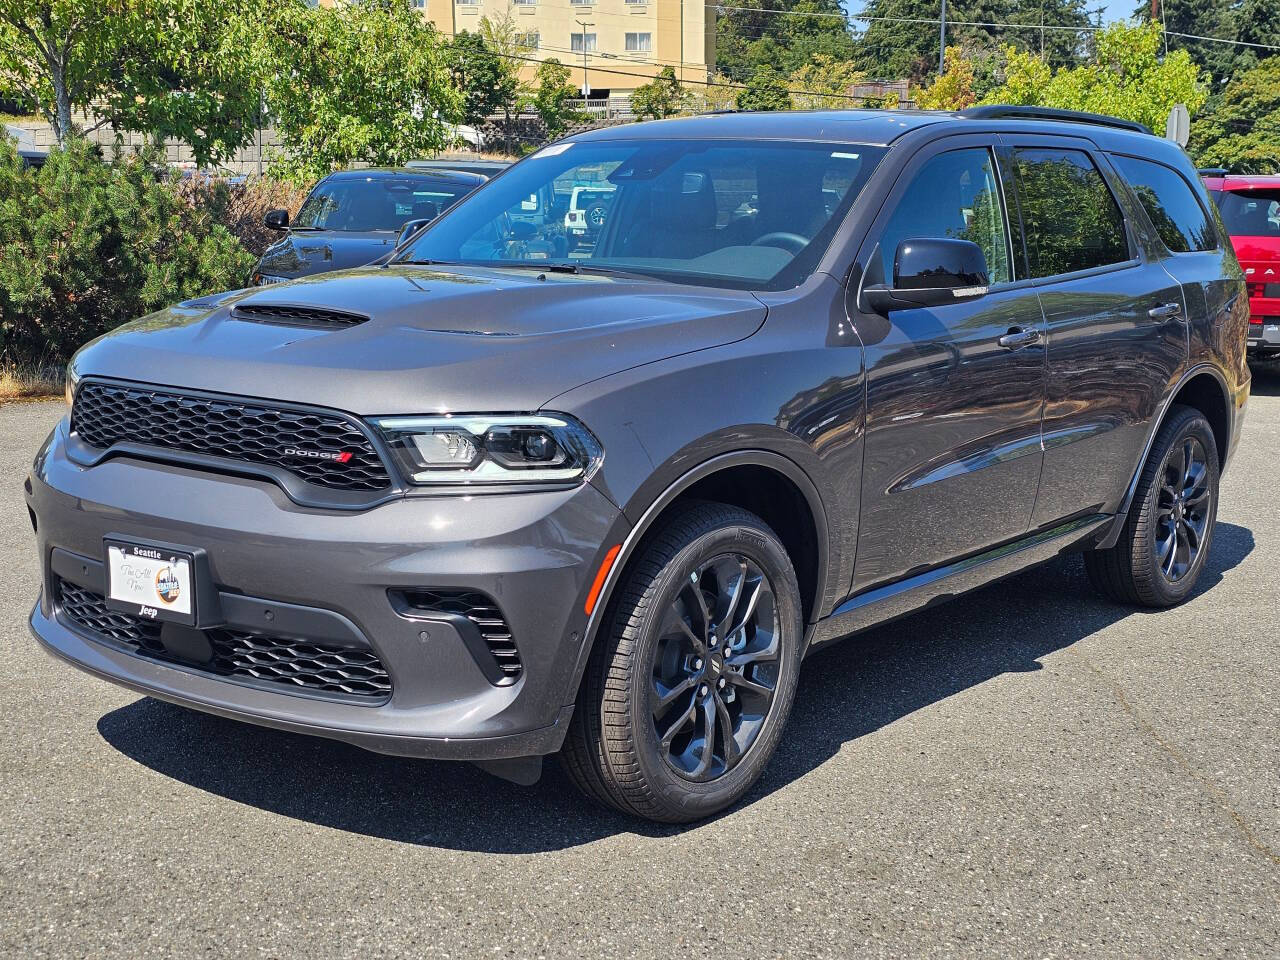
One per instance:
(286, 315)
(237, 654)
(323, 449)
(482, 611)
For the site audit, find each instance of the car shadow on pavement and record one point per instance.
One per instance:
(846, 692)
(1266, 379)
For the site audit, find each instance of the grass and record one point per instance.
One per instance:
(37, 381)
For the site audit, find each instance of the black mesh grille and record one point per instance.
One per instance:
(481, 611)
(296, 316)
(324, 449)
(238, 654)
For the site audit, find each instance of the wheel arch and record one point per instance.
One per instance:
(1202, 388)
(809, 548)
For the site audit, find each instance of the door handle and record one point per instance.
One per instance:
(1019, 337)
(1165, 311)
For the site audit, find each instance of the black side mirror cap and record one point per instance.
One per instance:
(930, 272)
(410, 228)
(276, 220)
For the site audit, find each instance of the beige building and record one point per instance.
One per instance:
(627, 42)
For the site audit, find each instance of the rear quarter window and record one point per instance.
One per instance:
(1174, 210)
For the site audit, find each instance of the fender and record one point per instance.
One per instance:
(1112, 535)
(762, 458)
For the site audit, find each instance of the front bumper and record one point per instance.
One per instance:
(534, 554)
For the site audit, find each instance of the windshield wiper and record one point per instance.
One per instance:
(301, 229)
(578, 266)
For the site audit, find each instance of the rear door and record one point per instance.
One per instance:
(952, 449)
(1114, 323)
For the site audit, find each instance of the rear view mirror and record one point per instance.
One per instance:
(410, 228)
(276, 220)
(931, 272)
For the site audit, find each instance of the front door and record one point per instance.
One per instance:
(952, 454)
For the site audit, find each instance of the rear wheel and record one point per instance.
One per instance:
(1166, 538)
(688, 690)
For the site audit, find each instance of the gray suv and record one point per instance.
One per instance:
(503, 497)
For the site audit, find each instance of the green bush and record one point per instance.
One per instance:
(86, 245)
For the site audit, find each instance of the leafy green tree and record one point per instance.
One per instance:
(553, 97)
(954, 89)
(757, 36)
(480, 74)
(1127, 77)
(901, 47)
(502, 36)
(169, 68)
(826, 83)
(663, 96)
(1243, 133)
(765, 91)
(85, 246)
(357, 82)
(1205, 18)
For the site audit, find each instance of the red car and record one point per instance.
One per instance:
(1250, 207)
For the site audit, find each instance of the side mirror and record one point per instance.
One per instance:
(276, 220)
(931, 272)
(410, 228)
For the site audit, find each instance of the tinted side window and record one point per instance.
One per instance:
(954, 195)
(1173, 208)
(1069, 216)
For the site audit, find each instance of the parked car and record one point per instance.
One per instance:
(354, 217)
(486, 504)
(1250, 208)
(588, 210)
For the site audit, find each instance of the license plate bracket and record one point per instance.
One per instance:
(159, 581)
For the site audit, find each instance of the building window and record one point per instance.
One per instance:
(467, 3)
(639, 43)
(576, 41)
(529, 41)
(420, 4)
(582, 3)
(525, 3)
(640, 2)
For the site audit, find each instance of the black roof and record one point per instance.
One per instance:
(880, 127)
(387, 173)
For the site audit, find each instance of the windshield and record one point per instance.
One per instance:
(747, 214)
(1253, 213)
(361, 204)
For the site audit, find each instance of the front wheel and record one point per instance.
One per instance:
(693, 676)
(1167, 535)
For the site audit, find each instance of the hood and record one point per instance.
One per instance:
(302, 253)
(469, 340)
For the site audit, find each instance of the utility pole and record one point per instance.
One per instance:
(586, 86)
(942, 41)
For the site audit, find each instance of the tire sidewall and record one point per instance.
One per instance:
(672, 791)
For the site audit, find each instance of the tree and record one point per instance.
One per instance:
(1126, 78)
(764, 91)
(553, 97)
(502, 36)
(900, 46)
(782, 35)
(661, 97)
(480, 74)
(826, 83)
(1243, 133)
(357, 82)
(954, 89)
(169, 68)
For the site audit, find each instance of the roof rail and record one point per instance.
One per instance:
(1213, 171)
(1001, 111)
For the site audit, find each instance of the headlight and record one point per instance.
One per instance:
(481, 449)
(72, 381)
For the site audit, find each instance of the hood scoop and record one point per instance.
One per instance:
(282, 314)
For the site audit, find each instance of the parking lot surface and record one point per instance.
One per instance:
(1027, 772)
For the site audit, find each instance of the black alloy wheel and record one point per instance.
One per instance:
(1182, 509)
(694, 669)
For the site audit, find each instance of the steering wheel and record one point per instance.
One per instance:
(792, 242)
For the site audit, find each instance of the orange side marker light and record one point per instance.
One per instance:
(598, 583)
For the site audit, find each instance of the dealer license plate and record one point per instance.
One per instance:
(150, 581)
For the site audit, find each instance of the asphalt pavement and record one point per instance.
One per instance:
(1027, 772)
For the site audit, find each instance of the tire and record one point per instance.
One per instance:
(615, 750)
(1138, 569)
